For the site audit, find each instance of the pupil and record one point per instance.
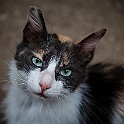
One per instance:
(66, 71)
(37, 61)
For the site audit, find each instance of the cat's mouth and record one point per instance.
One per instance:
(41, 95)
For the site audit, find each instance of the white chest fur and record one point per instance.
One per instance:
(23, 110)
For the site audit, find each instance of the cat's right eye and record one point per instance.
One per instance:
(36, 61)
(65, 72)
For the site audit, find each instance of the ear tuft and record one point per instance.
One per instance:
(87, 46)
(35, 17)
(35, 29)
(89, 43)
(98, 35)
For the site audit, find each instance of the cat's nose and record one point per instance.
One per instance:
(45, 86)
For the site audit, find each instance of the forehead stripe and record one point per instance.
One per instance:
(52, 65)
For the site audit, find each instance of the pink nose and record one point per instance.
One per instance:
(45, 86)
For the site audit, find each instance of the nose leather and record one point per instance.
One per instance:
(45, 86)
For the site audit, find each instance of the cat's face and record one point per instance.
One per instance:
(52, 65)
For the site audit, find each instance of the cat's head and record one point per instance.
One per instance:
(52, 65)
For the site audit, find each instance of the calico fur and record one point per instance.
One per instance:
(92, 94)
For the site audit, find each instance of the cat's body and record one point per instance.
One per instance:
(53, 84)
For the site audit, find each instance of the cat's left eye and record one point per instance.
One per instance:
(37, 61)
(66, 72)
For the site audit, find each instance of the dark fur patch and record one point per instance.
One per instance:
(105, 82)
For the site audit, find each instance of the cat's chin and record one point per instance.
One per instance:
(41, 95)
(48, 96)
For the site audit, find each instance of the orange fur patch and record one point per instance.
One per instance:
(64, 38)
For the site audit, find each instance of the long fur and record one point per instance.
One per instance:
(89, 95)
(105, 94)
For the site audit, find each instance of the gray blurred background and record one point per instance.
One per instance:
(75, 18)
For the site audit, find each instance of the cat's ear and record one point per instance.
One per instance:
(87, 46)
(35, 29)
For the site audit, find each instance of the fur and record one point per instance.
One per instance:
(90, 94)
(38, 111)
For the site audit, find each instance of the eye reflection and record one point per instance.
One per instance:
(36, 61)
(65, 72)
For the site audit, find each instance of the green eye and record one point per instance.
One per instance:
(37, 62)
(66, 72)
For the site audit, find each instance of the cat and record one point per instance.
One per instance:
(53, 83)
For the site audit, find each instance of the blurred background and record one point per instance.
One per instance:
(75, 18)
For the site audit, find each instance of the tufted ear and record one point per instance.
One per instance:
(87, 46)
(35, 29)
